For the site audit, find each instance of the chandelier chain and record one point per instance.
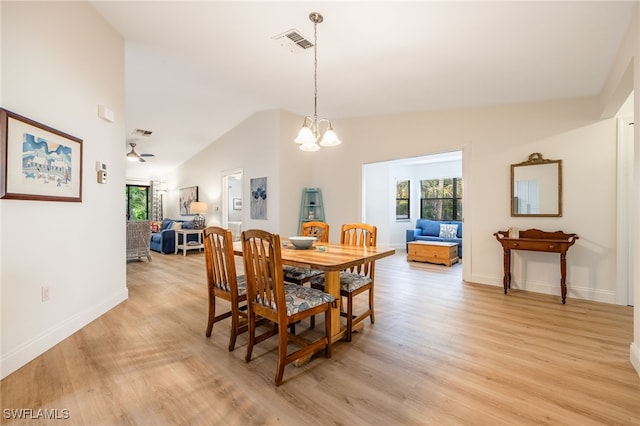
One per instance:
(315, 75)
(310, 137)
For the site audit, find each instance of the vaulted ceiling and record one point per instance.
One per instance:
(194, 70)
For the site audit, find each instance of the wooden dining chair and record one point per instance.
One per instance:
(317, 229)
(358, 279)
(283, 304)
(298, 275)
(223, 282)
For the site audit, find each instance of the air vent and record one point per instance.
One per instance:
(141, 132)
(293, 41)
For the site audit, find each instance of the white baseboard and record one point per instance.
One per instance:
(486, 280)
(50, 337)
(573, 291)
(635, 356)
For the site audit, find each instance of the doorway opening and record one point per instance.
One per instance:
(379, 194)
(232, 202)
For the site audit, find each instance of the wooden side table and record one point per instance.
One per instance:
(188, 245)
(537, 240)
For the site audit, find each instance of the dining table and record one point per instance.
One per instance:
(331, 258)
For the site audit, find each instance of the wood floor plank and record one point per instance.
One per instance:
(442, 352)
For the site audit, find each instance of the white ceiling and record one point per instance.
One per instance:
(194, 70)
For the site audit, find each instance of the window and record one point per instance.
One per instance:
(137, 202)
(441, 199)
(402, 199)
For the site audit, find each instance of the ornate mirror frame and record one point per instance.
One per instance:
(536, 187)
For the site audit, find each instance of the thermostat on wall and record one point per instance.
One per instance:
(101, 169)
(105, 113)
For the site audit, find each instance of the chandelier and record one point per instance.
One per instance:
(310, 136)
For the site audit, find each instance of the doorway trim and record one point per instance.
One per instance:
(624, 204)
(224, 204)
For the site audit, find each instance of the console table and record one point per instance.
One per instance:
(537, 240)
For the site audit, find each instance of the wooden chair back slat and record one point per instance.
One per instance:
(360, 234)
(317, 229)
(261, 251)
(222, 281)
(266, 300)
(219, 257)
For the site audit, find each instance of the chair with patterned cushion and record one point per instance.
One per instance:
(358, 279)
(223, 282)
(297, 275)
(283, 304)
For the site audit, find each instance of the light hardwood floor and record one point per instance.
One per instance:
(442, 352)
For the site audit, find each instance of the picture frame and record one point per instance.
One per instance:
(258, 203)
(185, 198)
(237, 204)
(38, 162)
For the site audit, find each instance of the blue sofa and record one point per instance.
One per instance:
(429, 230)
(164, 241)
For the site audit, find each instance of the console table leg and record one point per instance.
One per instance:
(506, 281)
(563, 276)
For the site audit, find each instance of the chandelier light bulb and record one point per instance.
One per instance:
(330, 138)
(305, 136)
(310, 147)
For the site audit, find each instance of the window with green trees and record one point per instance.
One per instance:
(138, 202)
(402, 199)
(441, 199)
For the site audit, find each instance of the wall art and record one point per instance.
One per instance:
(187, 195)
(258, 190)
(237, 203)
(38, 162)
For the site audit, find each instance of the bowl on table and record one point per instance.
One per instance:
(302, 242)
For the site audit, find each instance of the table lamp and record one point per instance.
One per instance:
(198, 207)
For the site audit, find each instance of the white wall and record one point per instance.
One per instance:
(379, 198)
(298, 170)
(252, 147)
(623, 79)
(55, 77)
(256, 146)
(634, 35)
(569, 130)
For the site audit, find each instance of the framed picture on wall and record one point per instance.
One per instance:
(258, 208)
(237, 203)
(186, 197)
(38, 162)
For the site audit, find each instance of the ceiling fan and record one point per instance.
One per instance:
(134, 156)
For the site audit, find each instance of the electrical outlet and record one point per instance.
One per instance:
(45, 294)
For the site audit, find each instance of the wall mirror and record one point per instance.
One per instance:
(536, 187)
